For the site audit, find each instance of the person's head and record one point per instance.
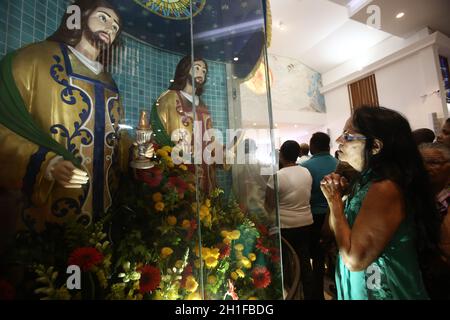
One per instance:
(436, 157)
(304, 149)
(423, 135)
(444, 135)
(183, 74)
(289, 152)
(319, 142)
(101, 26)
(380, 139)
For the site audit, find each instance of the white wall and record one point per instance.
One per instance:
(410, 86)
(407, 81)
(338, 111)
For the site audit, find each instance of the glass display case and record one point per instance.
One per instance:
(166, 194)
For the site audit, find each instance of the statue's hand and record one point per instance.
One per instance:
(149, 151)
(67, 175)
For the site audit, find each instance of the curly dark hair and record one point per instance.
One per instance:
(399, 160)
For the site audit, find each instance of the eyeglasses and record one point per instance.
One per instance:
(350, 137)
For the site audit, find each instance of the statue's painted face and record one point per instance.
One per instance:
(199, 72)
(103, 26)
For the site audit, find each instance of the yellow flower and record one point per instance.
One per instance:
(252, 256)
(183, 167)
(191, 284)
(157, 295)
(194, 296)
(240, 273)
(204, 212)
(205, 253)
(245, 263)
(214, 252)
(225, 234)
(186, 224)
(165, 252)
(227, 241)
(171, 220)
(162, 153)
(169, 162)
(211, 262)
(235, 234)
(157, 197)
(159, 206)
(167, 149)
(234, 275)
(179, 264)
(212, 279)
(239, 247)
(252, 298)
(208, 203)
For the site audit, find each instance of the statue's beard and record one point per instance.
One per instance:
(95, 40)
(198, 85)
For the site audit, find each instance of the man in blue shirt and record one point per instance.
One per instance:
(320, 165)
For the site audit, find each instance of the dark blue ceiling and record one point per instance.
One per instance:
(222, 29)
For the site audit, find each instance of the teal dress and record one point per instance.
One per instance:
(395, 274)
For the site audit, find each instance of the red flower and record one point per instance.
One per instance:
(179, 184)
(150, 278)
(261, 277)
(263, 230)
(85, 258)
(274, 255)
(192, 229)
(7, 291)
(152, 177)
(261, 247)
(186, 273)
(225, 251)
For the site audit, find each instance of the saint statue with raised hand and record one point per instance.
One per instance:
(59, 120)
(172, 116)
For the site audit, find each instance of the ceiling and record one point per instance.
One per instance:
(322, 35)
(319, 33)
(418, 14)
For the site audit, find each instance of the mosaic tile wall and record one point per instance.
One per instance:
(145, 72)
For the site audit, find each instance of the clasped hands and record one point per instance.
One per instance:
(333, 186)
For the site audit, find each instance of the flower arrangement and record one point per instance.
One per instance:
(164, 239)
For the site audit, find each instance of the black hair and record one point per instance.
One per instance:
(399, 160)
(182, 75)
(423, 135)
(290, 150)
(319, 142)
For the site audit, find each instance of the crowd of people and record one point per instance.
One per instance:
(380, 207)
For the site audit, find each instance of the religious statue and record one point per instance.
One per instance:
(172, 116)
(59, 120)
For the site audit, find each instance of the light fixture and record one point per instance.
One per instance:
(276, 124)
(295, 126)
(281, 26)
(400, 15)
(171, 80)
(236, 58)
(254, 124)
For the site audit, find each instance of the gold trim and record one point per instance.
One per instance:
(168, 17)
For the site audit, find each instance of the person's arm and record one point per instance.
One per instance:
(380, 216)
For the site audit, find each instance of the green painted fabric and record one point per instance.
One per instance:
(160, 134)
(395, 274)
(15, 116)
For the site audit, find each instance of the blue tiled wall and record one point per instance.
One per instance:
(145, 72)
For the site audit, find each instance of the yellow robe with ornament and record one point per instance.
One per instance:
(81, 111)
(175, 112)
